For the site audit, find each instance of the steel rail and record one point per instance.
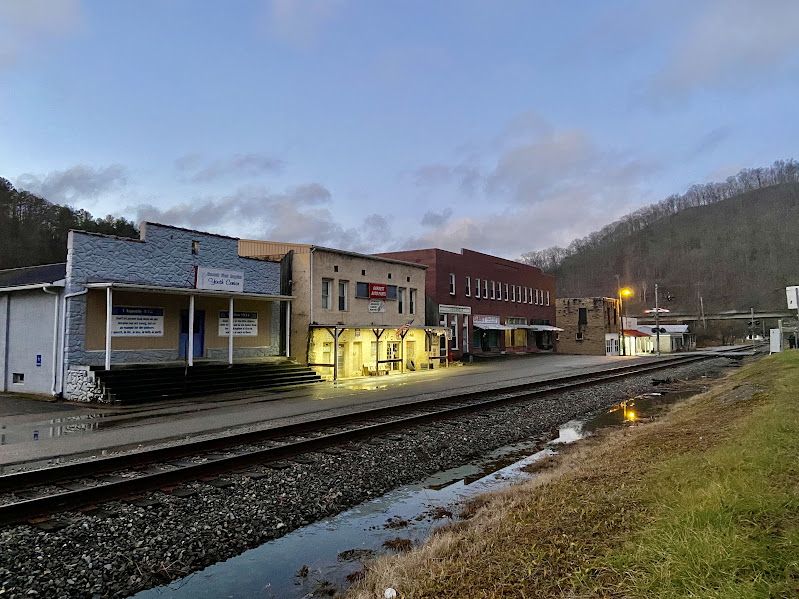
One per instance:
(90, 495)
(91, 467)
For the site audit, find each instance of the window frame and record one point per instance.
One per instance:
(343, 294)
(493, 290)
(485, 288)
(468, 286)
(400, 299)
(327, 300)
(452, 283)
(506, 292)
(412, 301)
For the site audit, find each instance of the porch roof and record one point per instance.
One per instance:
(187, 291)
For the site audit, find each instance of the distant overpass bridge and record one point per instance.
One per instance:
(679, 318)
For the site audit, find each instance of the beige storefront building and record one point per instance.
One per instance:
(354, 314)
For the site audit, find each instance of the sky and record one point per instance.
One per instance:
(502, 126)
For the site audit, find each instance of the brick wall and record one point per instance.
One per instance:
(601, 316)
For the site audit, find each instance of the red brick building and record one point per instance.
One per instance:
(491, 305)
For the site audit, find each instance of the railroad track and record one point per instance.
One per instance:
(32, 494)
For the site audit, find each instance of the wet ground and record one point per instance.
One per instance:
(324, 557)
(37, 432)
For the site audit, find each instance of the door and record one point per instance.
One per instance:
(357, 357)
(392, 353)
(410, 355)
(199, 334)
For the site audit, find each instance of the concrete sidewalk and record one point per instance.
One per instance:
(60, 430)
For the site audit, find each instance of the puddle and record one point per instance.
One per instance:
(321, 556)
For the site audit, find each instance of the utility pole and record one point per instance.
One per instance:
(752, 328)
(657, 320)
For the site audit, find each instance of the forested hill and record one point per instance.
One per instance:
(734, 243)
(736, 253)
(34, 231)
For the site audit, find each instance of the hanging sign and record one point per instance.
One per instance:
(219, 280)
(481, 319)
(135, 321)
(377, 305)
(378, 291)
(245, 324)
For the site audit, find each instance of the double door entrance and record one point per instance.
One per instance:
(199, 334)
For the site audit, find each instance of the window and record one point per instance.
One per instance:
(389, 275)
(335, 268)
(582, 317)
(525, 295)
(342, 296)
(400, 300)
(195, 248)
(493, 290)
(547, 298)
(477, 288)
(513, 288)
(536, 297)
(519, 293)
(506, 292)
(408, 279)
(452, 283)
(412, 305)
(579, 337)
(391, 292)
(468, 286)
(363, 273)
(442, 320)
(485, 288)
(362, 290)
(326, 285)
(454, 326)
(18, 378)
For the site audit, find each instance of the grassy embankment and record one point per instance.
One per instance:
(700, 503)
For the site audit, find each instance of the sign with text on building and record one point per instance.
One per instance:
(137, 321)
(482, 319)
(378, 291)
(450, 309)
(377, 305)
(245, 324)
(216, 279)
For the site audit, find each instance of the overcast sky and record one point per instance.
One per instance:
(502, 126)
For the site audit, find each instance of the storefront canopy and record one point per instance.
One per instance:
(495, 327)
(542, 327)
(187, 291)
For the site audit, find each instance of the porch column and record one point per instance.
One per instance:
(288, 328)
(109, 300)
(335, 353)
(190, 351)
(230, 337)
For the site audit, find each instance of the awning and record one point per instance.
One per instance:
(634, 333)
(187, 291)
(543, 327)
(493, 327)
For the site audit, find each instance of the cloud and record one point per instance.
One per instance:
(710, 141)
(436, 219)
(731, 43)
(28, 24)
(299, 214)
(79, 183)
(195, 169)
(299, 22)
(535, 186)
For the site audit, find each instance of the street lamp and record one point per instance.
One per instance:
(626, 292)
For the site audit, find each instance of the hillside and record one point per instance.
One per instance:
(737, 253)
(34, 231)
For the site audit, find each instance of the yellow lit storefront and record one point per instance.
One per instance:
(338, 352)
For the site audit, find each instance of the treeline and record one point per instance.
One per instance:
(34, 231)
(782, 171)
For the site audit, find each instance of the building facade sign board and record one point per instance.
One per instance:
(378, 291)
(137, 321)
(245, 324)
(215, 279)
(450, 309)
(377, 305)
(483, 319)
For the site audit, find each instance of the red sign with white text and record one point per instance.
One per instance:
(377, 291)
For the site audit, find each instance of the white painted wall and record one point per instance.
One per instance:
(29, 317)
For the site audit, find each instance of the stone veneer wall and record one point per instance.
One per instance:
(80, 385)
(600, 321)
(162, 257)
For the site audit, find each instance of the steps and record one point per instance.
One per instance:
(145, 383)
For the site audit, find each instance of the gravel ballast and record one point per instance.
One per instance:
(125, 547)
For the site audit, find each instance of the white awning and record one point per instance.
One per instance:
(543, 327)
(492, 327)
(186, 291)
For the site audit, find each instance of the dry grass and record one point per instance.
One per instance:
(553, 536)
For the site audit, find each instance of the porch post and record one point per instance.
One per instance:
(288, 329)
(230, 337)
(190, 351)
(109, 301)
(335, 353)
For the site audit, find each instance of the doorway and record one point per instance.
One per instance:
(199, 334)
